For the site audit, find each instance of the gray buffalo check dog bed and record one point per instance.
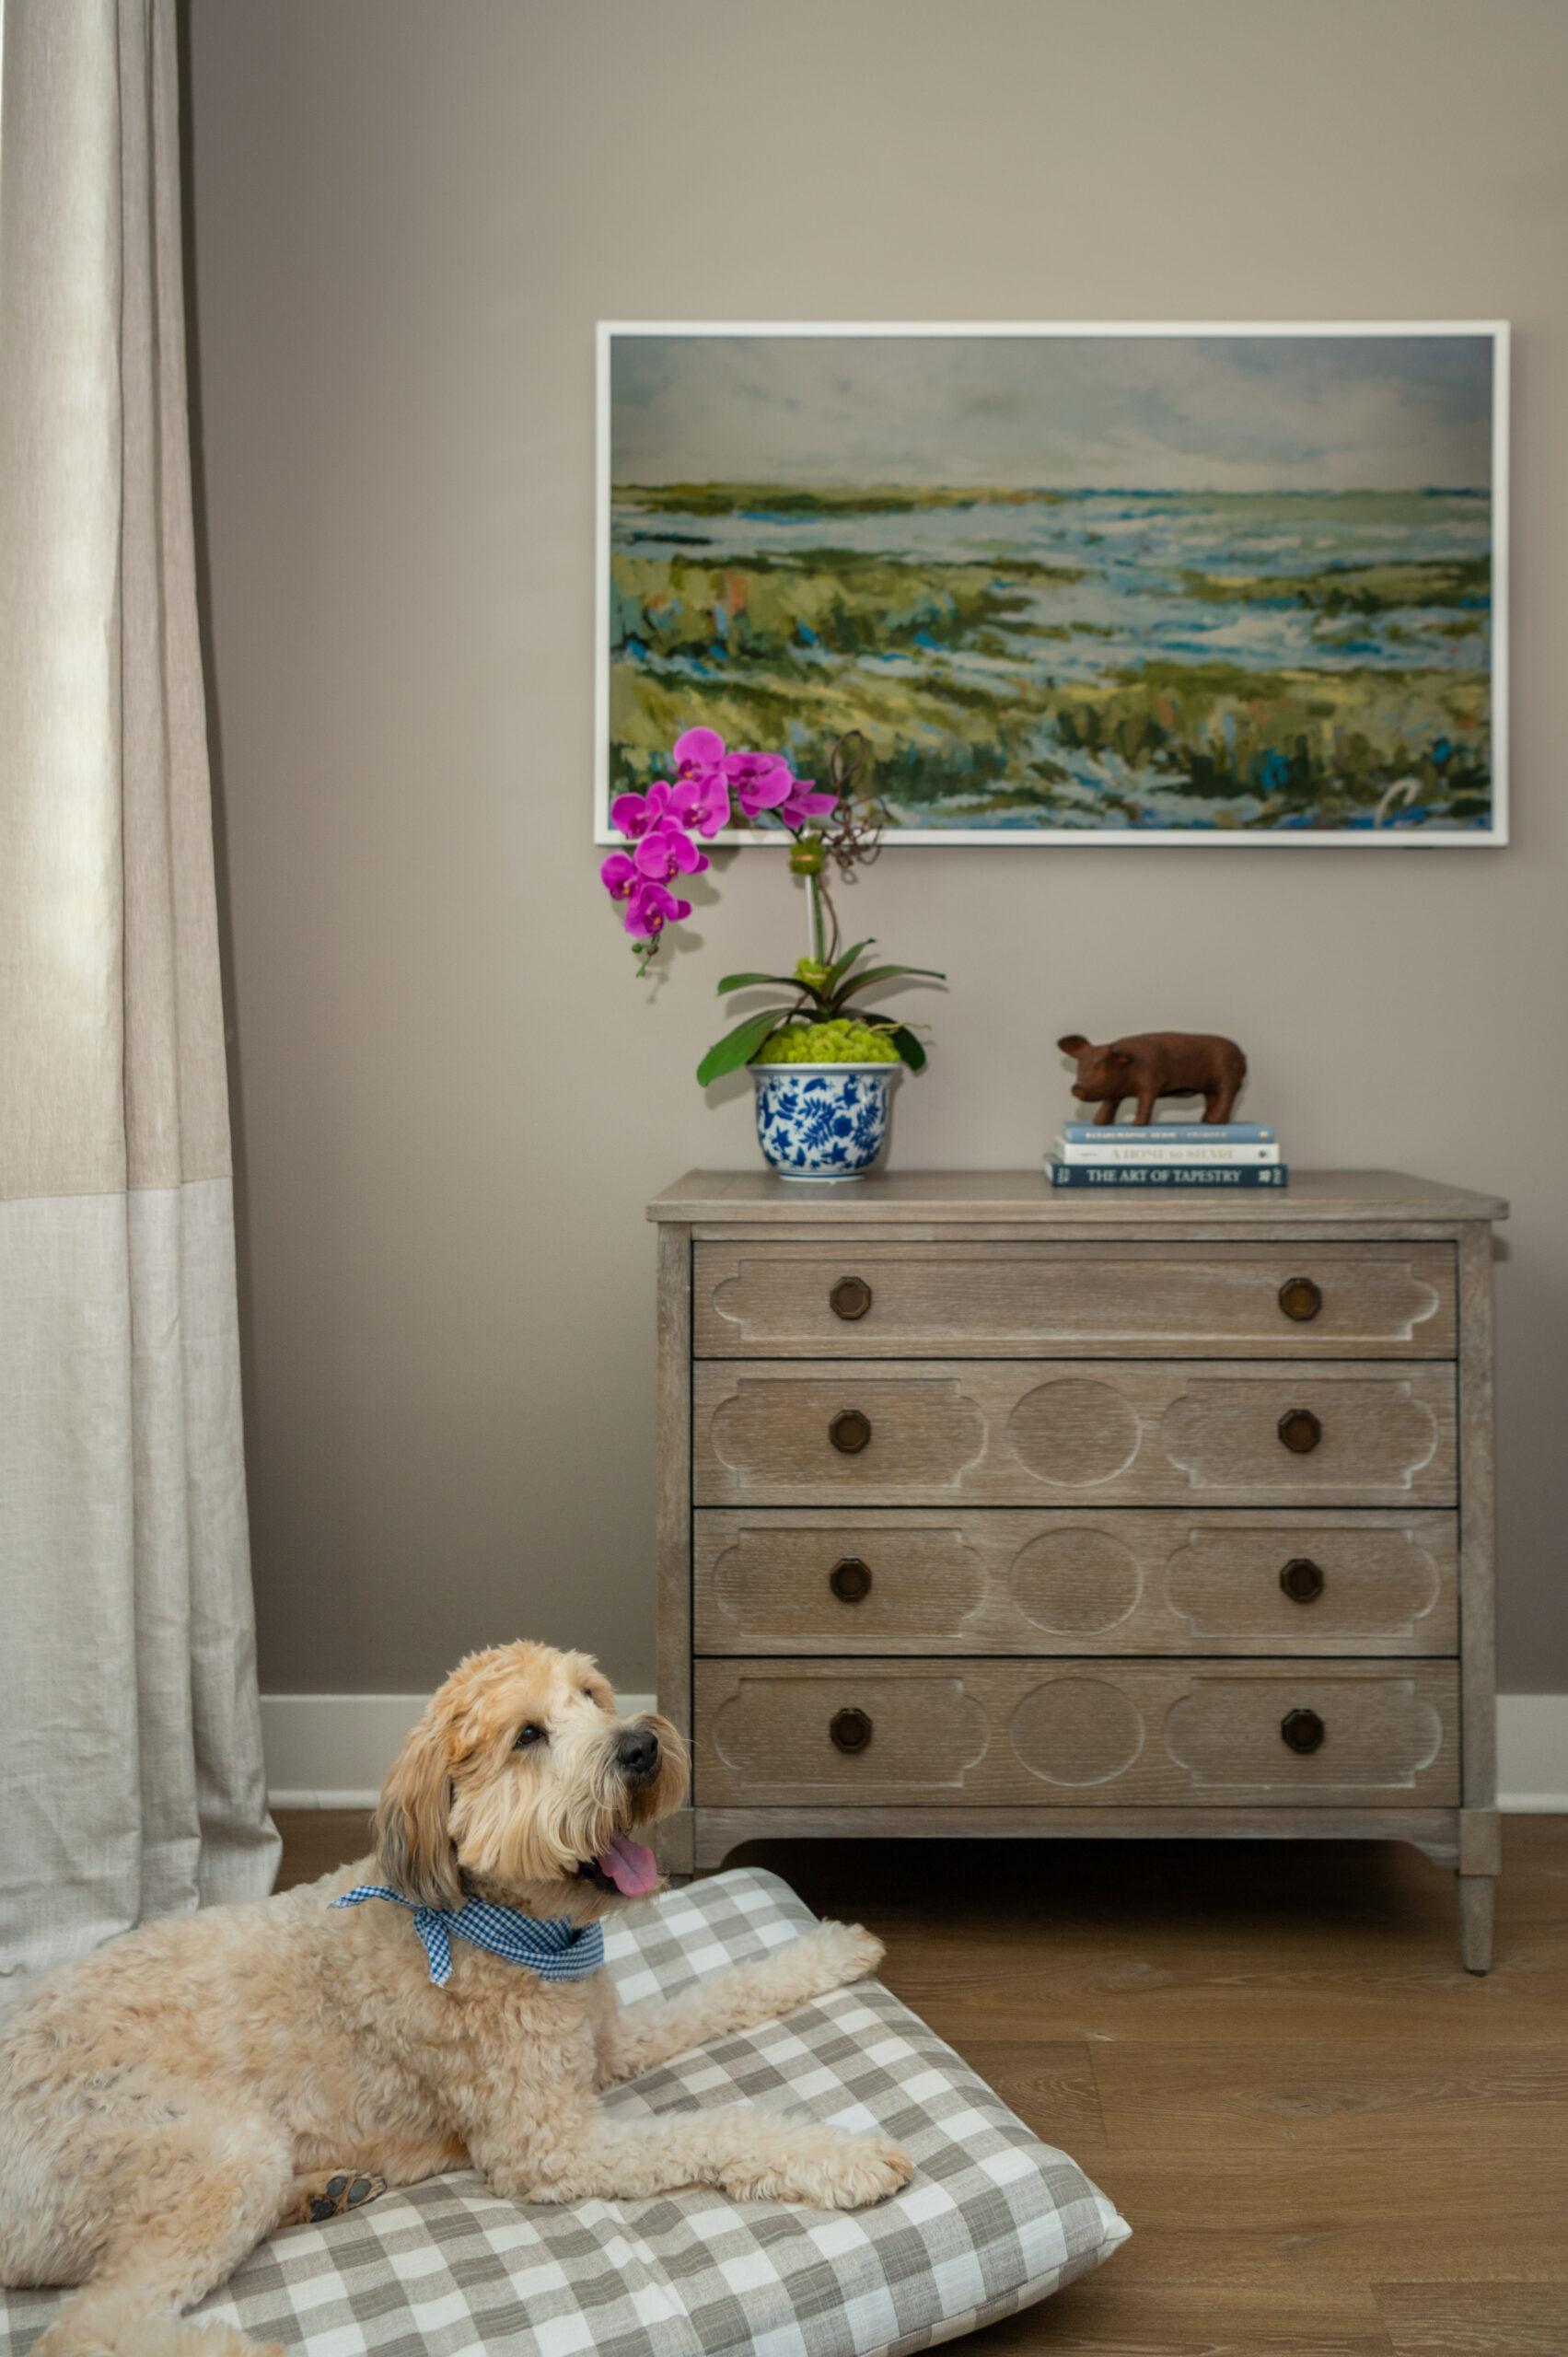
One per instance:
(992, 2221)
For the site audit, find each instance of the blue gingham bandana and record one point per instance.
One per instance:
(555, 1949)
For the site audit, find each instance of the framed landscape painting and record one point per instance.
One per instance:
(1074, 584)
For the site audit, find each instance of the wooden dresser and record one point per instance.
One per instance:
(986, 1510)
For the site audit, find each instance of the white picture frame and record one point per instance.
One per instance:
(1185, 379)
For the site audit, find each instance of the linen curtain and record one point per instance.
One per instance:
(130, 1778)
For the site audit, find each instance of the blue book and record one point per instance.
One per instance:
(1168, 1133)
(1168, 1174)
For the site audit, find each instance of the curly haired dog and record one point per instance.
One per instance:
(172, 2098)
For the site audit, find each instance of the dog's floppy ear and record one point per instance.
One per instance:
(409, 1829)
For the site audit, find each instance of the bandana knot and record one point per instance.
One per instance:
(554, 1948)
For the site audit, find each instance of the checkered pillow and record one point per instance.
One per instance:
(993, 2220)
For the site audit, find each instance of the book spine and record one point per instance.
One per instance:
(1068, 1151)
(1169, 1133)
(1166, 1174)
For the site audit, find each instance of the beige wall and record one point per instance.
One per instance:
(453, 1098)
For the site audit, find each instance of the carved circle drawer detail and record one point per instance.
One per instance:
(1076, 1583)
(1074, 1431)
(1076, 1731)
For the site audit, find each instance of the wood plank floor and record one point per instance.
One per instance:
(1330, 2140)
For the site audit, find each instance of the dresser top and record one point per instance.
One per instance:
(1022, 1197)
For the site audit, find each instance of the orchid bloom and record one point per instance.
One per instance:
(761, 781)
(650, 908)
(699, 750)
(659, 825)
(665, 851)
(804, 802)
(634, 814)
(700, 796)
(701, 801)
(619, 876)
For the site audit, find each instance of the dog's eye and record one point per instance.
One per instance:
(527, 1736)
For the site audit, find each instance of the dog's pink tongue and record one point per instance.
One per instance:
(630, 1868)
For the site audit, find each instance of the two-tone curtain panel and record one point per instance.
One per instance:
(131, 1781)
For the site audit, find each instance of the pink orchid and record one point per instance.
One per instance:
(699, 750)
(634, 814)
(804, 802)
(700, 796)
(665, 851)
(660, 824)
(761, 781)
(619, 876)
(701, 799)
(651, 908)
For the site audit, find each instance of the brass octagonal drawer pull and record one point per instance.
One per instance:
(850, 1431)
(1301, 1580)
(850, 1730)
(1303, 1730)
(1300, 1431)
(850, 1579)
(1300, 1298)
(851, 1297)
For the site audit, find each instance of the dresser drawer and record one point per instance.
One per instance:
(900, 1300)
(864, 1581)
(1160, 1433)
(1308, 1734)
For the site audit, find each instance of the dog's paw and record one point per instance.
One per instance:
(829, 2170)
(865, 2168)
(322, 2195)
(836, 1953)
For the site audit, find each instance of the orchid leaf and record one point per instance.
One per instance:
(750, 982)
(739, 1046)
(875, 974)
(841, 966)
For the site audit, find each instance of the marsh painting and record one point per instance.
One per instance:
(1088, 584)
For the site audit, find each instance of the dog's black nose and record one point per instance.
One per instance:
(637, 1755)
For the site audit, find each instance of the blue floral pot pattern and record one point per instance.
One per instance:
(822, 1120)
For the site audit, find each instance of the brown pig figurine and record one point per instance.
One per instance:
(1157, 1063)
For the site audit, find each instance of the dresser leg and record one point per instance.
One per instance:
(1476, 1893)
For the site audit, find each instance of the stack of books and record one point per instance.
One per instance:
(1167, 1153)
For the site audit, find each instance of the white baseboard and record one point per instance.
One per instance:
(333, 1750)
(1532, 1754)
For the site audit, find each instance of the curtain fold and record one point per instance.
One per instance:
(130, 1778)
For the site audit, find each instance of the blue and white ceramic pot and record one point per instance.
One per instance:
(823, 1120)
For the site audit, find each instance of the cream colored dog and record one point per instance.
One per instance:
(169, 2100)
